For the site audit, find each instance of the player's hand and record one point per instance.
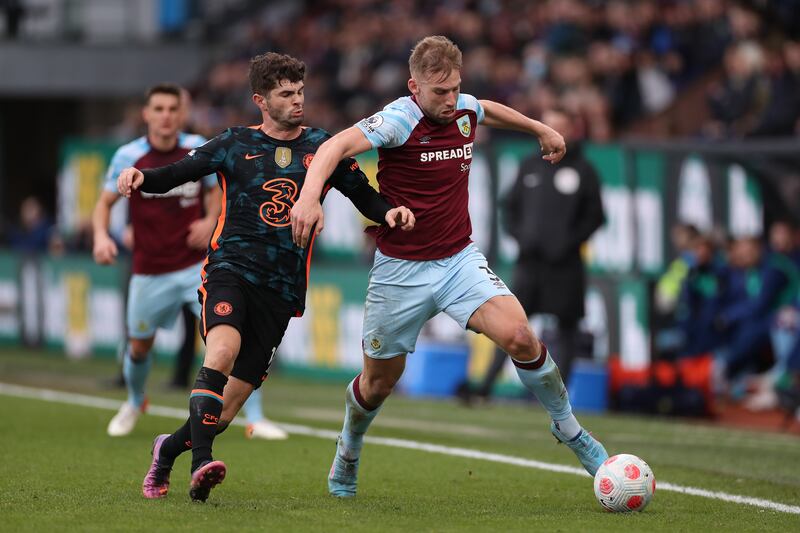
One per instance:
(200, 233)
(553, 145)
(129, 180)
(104, 250)
(400, 216)
(305, 214)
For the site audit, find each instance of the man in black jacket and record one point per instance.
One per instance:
(551, 212)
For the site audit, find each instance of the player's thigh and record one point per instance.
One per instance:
(267, 320)
(503, 320)
(152, 304)
(399, 302)
(465, 282)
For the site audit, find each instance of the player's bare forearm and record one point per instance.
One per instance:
(347, 143)
(497, 115)
(102, 212)
(307, 212)
(104, 250)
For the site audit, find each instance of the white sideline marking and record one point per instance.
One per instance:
(172, 412)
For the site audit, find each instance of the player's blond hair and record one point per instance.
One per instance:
(435, 54)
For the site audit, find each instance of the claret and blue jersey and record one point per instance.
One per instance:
(424, 165)
(161, 221)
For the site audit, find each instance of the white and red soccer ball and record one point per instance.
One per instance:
(624, 483)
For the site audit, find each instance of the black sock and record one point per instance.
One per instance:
(205, 406)
(176, 444)
(181, 441)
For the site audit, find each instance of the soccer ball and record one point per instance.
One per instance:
(624, 483)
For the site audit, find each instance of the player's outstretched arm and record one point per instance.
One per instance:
(307, 211)
(497, 115)
(200, 162)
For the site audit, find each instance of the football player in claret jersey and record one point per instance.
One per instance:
(170, 236)
(425, 144)
(171, 232)
(255, 277)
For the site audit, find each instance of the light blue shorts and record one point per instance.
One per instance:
(404, 294)
(154, 300)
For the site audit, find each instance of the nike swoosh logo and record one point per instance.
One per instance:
(251, 156)
(208, 423)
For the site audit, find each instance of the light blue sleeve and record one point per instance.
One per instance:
(124, 157)
(195, 141)
(467, 101)
(393, 126)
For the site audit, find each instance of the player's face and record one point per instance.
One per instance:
(437, 95)
(284, 104)
(162, 114)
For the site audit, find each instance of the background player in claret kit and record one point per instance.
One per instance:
(171, 233)
(424, 145)
(255, 278)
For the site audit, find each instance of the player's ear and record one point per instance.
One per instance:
(413, 86)
(259, 101)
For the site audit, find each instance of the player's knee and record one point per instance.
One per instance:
(521, 342)
(220, 357)
(378, 388)
(139, 348)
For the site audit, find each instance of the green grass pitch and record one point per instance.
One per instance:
(61, 471)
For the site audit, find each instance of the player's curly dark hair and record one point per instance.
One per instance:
(267, 71)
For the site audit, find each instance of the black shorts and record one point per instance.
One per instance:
(260, 316)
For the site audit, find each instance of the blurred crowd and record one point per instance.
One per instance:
(738, 299)
(612, 63)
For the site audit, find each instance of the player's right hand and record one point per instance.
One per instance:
(105, 250)
(401, 217)
(306, 213)
(129, 180)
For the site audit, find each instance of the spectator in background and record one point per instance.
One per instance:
(668, 288)
(759, 284)
(784, 331)
(701, 297)
(741, 98)
(551, 212)
(33, 231)
(782, 107)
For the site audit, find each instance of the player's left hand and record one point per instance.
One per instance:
(553, 145)
(305, 214)
(400, 216)
(200, 233)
